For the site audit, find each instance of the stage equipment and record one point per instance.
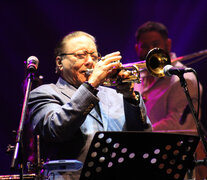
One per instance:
(139, 155)
(17, 176)
(17, 159)
(54, 169)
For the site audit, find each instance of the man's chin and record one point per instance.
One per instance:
(84, 79)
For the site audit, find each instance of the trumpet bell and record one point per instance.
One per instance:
(156, 60)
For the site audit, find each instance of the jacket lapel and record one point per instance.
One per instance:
(96, 116)
(68, 90)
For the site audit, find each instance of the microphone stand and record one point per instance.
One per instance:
(18, 150)
(195, 117)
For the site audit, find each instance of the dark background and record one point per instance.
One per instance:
(33, 27)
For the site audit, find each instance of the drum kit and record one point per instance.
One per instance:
(40, 170)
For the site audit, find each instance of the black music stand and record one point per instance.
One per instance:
(139, 155)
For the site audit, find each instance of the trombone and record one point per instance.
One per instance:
(155, 62)
(158, 58)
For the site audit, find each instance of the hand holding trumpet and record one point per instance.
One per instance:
(104, 68)
(107, 68)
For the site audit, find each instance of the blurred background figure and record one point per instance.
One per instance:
(166, 102)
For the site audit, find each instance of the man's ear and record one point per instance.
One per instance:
(59, 64)
(136, 47)
(169, 44)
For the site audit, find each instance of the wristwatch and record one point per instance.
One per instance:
(90, 87)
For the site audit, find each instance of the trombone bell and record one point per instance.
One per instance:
(156, 60)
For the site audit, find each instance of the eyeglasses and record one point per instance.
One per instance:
(83, 54)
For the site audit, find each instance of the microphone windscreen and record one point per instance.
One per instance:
(32, 63)
(166, 70)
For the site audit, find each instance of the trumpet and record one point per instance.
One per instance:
(155, 62)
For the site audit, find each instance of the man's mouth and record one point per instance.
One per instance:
(86, 71)
(83, 71)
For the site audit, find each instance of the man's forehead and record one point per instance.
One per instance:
(80, 42)
(81, 38)
(150, 36)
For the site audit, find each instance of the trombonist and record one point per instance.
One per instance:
(67, 114)
(165, 100)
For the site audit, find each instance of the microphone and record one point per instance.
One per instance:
(32, 64)
(169, 70)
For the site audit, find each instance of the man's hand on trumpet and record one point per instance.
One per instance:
(109, 67)
(127, 88)
(105, 68)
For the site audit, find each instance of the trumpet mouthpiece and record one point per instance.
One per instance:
(89, 71)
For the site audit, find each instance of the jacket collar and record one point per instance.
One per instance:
(66, 88)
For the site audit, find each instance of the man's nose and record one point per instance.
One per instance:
(149, 48)
(89, 60)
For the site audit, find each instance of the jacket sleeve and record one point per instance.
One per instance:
(136, 116)
(53, 117)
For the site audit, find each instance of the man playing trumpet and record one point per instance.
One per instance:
(67, 114)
